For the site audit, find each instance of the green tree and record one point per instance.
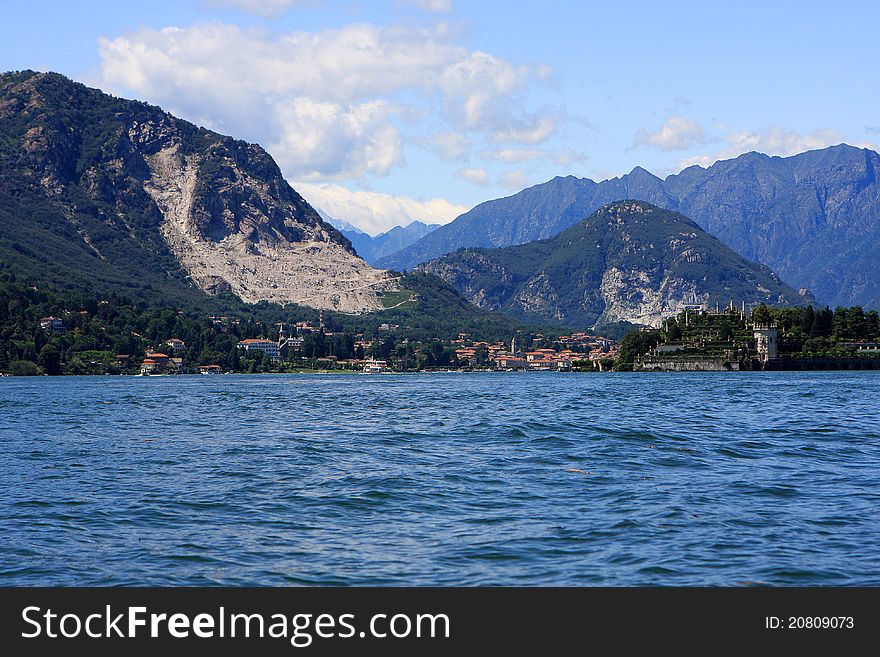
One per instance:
(315, 345)
(50, 360)
(385, 348)
(637, 343)
(672, 330)
(822, 323)
(761, 316)
(23, 368)
(436, 354)
(342, 345)
(807, 320)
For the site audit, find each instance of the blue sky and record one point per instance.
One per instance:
(382, 112)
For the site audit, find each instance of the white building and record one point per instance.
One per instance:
(268, 347)
(52, 324)
(767, 342)
(176, 345)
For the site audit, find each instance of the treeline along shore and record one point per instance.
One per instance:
(782, 338)
(48, 331)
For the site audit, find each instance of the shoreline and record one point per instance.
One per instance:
(413, 373)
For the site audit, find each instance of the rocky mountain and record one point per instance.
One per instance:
(630, 261)
(814, 217)
(101, 191)
(372, 248)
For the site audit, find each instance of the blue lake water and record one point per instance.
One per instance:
(442, 479)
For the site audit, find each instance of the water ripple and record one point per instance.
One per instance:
(747, 479)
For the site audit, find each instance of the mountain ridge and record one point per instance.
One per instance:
(629, 261)
(813, 217)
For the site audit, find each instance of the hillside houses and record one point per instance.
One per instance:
(498, 356)
(320, 345)
(159, 363)
(52, 324)
(177, 345)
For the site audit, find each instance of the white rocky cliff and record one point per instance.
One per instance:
(257, 262)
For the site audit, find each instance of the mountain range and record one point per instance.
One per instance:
(372, 248)
(630, 261)
(104, 192)
(814, 218)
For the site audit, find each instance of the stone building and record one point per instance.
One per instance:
(767, 342)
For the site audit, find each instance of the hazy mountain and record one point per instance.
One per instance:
(372, 248)
(360, 240)
(104, 192)
(813, 217)
(630, 261)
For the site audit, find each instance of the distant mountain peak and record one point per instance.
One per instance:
(371, 248)
(640, 172)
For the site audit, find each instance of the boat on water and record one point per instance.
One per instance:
(375, 367)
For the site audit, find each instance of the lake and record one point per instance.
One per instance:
(442, 479)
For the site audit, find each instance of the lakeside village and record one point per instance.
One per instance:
(696, 339)
(220, 344)
(297, 346)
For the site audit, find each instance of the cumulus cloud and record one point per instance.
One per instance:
(678, 133)
(774, 140)
(451, 145)
(324, 103)
(322, 140)
(374, 212)
(442, 6)
(477, 176)
(477, 88)
(515, 180)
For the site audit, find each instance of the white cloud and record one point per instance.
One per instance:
(516, 154)
(533, 131)
(265, 8)
(442, 6)
(374, 212)
(451, 145)
(678, 133)
(774, 140)
(326, 103)
(476, 89)
(476, 176)
(516, 180)
(323, 140)
(566, 158)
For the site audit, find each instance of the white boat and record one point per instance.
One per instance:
(375, 367)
